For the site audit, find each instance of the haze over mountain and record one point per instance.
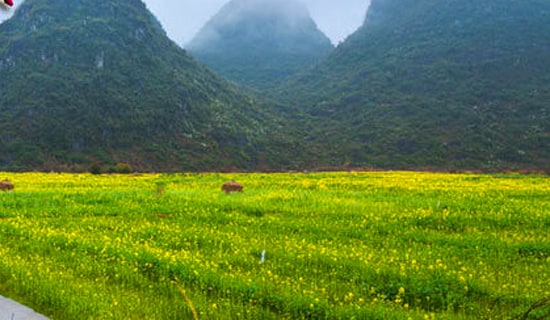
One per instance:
(84, 82)
(260, 43)
(182, 19)
(446, 84)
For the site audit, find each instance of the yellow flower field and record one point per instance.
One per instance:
(348, 245)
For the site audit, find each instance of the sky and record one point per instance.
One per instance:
(182, 19)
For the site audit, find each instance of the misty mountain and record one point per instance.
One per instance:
(446, 84)
(89, 81)
(260, 43)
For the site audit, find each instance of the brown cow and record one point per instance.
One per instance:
(232, 186)
(6, 185)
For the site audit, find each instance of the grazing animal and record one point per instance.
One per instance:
(232, 186)
(6, 185)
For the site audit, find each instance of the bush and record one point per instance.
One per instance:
(123, 168)
(95, 168)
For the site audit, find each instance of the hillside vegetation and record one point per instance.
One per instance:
(100, 82)
(439, 85)
(445, 84)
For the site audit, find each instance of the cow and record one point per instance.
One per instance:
(232, 186)
(6, 185)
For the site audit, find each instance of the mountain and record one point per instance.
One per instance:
(85, 82)
(260, 43)
(440, 84)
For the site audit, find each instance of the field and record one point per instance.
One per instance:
(377, 245)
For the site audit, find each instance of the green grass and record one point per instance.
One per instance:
(337, 246)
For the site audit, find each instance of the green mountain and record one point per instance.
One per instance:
(441, 84)
(260, 43)
(99, 81)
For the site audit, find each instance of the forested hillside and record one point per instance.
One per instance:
(453, 84)
(443, 84)
(85, 82)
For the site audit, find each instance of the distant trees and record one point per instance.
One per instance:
(98, 168)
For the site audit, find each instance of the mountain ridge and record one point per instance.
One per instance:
(435, 84)
(450, 85)
(85, 82)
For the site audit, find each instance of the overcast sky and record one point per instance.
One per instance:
(182, 19)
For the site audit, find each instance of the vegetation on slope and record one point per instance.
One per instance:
(446, 84)
(423, 84)
(84, 82)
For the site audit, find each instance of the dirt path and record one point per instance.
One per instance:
(11, 310)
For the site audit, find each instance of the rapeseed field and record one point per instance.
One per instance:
(348, 245)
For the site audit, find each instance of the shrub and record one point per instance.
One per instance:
(123, 168)
(95, 168)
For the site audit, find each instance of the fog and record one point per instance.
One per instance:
(295, 14)
(182, 19)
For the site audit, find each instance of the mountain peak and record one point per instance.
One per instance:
(84, 81)
(291, 11)
(260, 42)
(287, 7)
(457, 83)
